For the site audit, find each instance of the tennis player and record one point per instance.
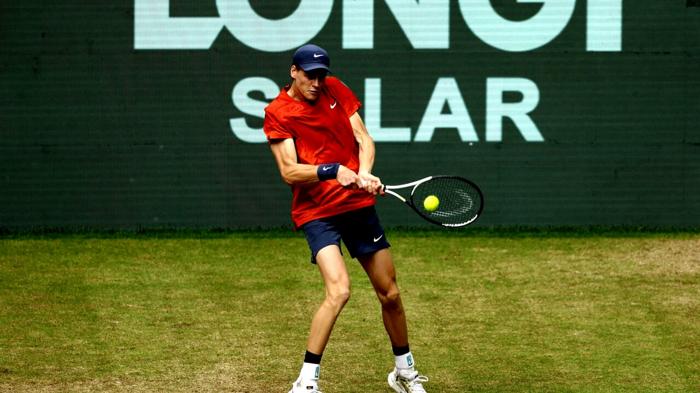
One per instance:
(325, 154)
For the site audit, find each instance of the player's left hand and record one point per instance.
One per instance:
(370, 183)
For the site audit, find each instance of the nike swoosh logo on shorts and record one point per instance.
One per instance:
(376, 239)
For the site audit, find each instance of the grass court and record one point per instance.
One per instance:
(229, 312)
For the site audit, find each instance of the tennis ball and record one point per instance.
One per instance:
(431, 203)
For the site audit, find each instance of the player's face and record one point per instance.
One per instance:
(307, 85)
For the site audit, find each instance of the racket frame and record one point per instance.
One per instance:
(414, 184)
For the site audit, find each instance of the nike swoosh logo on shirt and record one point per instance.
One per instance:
(334, 104)
(376, 239)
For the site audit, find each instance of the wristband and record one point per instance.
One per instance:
(327, 171)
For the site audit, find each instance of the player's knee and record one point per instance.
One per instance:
(338, 297)
(391, 299)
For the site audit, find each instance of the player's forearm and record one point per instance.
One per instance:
(299, 173)
(303, 173)
(366, 155)
(365, 142)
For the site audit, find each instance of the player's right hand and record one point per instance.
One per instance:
(370, 183)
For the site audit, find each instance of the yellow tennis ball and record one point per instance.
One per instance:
(431, 203)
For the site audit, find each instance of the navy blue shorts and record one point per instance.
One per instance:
(360, 230)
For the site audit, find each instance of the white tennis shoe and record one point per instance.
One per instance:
(305, 386)
(407, 381)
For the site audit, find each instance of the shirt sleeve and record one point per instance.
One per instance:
(342, 93)
(273, 128)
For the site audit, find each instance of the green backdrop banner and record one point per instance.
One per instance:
(149, 113)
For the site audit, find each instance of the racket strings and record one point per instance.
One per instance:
(459, 201)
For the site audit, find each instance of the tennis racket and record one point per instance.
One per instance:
(460, 201)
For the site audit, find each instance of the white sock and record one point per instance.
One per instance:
(310, 371)
(405, 361)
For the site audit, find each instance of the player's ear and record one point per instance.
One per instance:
(293, 71)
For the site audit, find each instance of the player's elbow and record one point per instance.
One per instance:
(287, 178)
(289, 175)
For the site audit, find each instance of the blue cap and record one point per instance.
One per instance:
(312, 57)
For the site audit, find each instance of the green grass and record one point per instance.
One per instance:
(229, 312)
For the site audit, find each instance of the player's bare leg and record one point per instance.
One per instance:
(381, 272)
(337, 281)
(335, 276)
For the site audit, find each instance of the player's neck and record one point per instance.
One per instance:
(294, 93)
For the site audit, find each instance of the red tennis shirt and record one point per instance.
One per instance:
(322, 134)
